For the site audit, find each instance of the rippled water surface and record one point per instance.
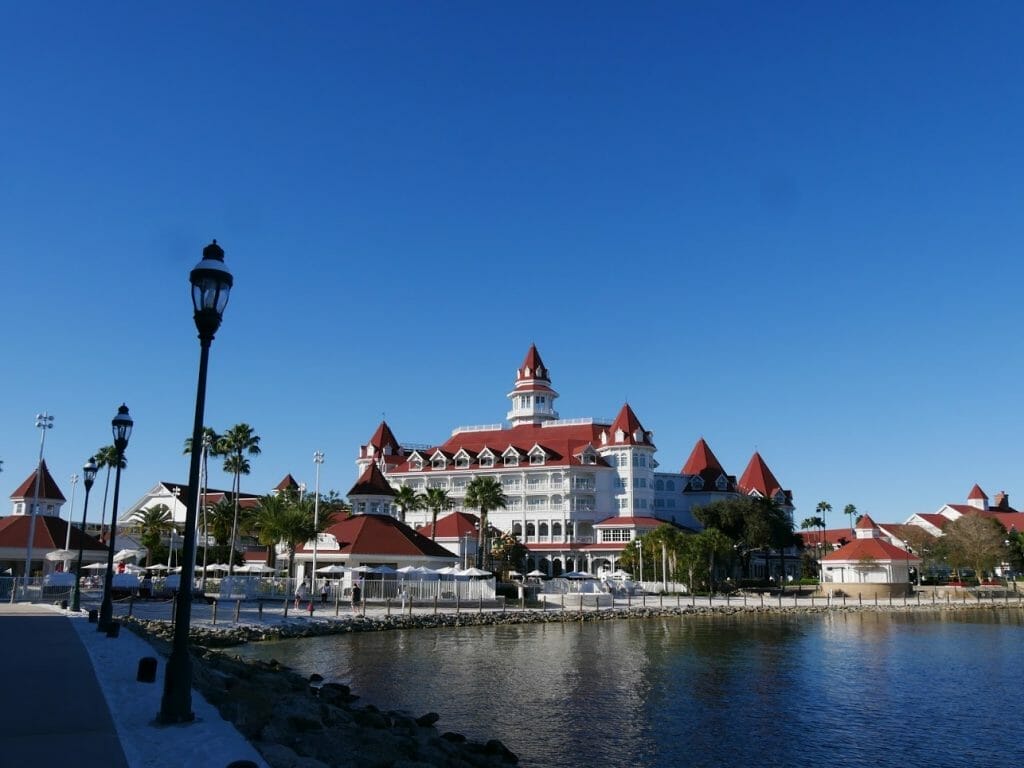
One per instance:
(832, 690)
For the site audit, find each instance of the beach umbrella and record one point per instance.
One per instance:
(535, 572)
(128, 554)
(475, 573)
(406, 570)
(513, 574)
(158, 567)
(383, 569)
(61, 554)
(95, 567)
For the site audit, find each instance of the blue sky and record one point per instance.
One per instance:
(791, 227)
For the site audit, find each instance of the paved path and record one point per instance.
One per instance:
(54, 711)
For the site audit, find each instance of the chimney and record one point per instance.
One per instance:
(1002, 501)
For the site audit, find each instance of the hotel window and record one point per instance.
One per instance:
(438, 464)
(721, 483)
(624, 502)
(536, 458)
(486, 461)
(670, 485)
(531, 530)
(697, 483)
(511, 460)
(462, 463)
(415, 465)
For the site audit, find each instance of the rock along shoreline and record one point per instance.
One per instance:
(306, 723)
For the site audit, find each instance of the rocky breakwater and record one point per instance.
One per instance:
(300, 723)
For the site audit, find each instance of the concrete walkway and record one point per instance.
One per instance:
(55, 712)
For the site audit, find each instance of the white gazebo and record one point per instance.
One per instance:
(868, 566)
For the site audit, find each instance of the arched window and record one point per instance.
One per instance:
(543, 529)
(517, 529)
(530, 530)
(556, 530)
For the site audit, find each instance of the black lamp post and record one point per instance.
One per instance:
(211, 284)
(121, 425)
(89, 473)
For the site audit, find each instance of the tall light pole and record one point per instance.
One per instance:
(205, 470)
(211, 286)
(71, 511)
(121, 426)
(89, 473)
(44, 421)
(318, 459)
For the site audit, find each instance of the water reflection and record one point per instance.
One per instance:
(841, 689)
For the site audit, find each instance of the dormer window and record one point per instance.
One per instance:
(722, 483)
(619, 435)
(638, 435)
(438, 463)
(511, 459)
(696, 483)
(780, 496)
(462, 462)
(536, 458)
(416, 464)
(487, 461)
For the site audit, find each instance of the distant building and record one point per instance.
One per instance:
(869, 565)
(579, 490)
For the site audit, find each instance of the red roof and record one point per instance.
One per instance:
(833, 537)
(875, 549)
(630, 426)
(47, 487)
(452, 526)
(50, 534)
(287, 484)
(637, 522)
(937, 520)
(256, 554)
(381, 536)
(562, 442)
(532, 369)
(757, 477)
(1009, 520)
(702, 458)
(865, 523)
(977, 493)
(371, 483)
(383, 438)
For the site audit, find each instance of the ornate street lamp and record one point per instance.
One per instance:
(89, 473)
(121, 426)
(211, 285)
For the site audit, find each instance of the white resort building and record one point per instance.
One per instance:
(578, 490)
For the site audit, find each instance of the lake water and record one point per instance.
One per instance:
(841, 689)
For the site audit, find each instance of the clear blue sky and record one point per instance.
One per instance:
(792, 227)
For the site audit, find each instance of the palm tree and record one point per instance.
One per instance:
(850, 511)
(153, 523)
(435, 500)
(221, 516)
(289, 520)
(406, 499)
(210, 440)
(822, 509)
(485, 494)
(815, 522)
(107, 457)
(234, 445)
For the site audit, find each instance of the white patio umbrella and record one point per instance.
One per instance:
(475, 573)
(218, 567)
(535, 572)
(407, 569)
(157, 567)
(95, 567)
(513, 574)
(577, 575)
(332, 569)
(128, 554)
(61, 554)
(383, 569)
(362, 569)
(448, 570)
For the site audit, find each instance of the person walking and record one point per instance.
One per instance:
(357, 595)
(323, 593)
(300, 593)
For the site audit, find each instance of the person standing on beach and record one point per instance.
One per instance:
(323, 593)
(300, 593)
(357, 594)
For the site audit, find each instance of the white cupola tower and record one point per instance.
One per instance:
(533, 399)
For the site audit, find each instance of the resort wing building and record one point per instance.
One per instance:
(578, 490)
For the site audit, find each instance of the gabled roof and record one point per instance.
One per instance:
(977, 493)
(630, 425)
(287, 484)
(48, 490)
(834, 537)
(50, 534)
(870, 549)
(381, 536)
(452, 526)
(634, 522)
(935, 519)
(371, 483)
(758, 477)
